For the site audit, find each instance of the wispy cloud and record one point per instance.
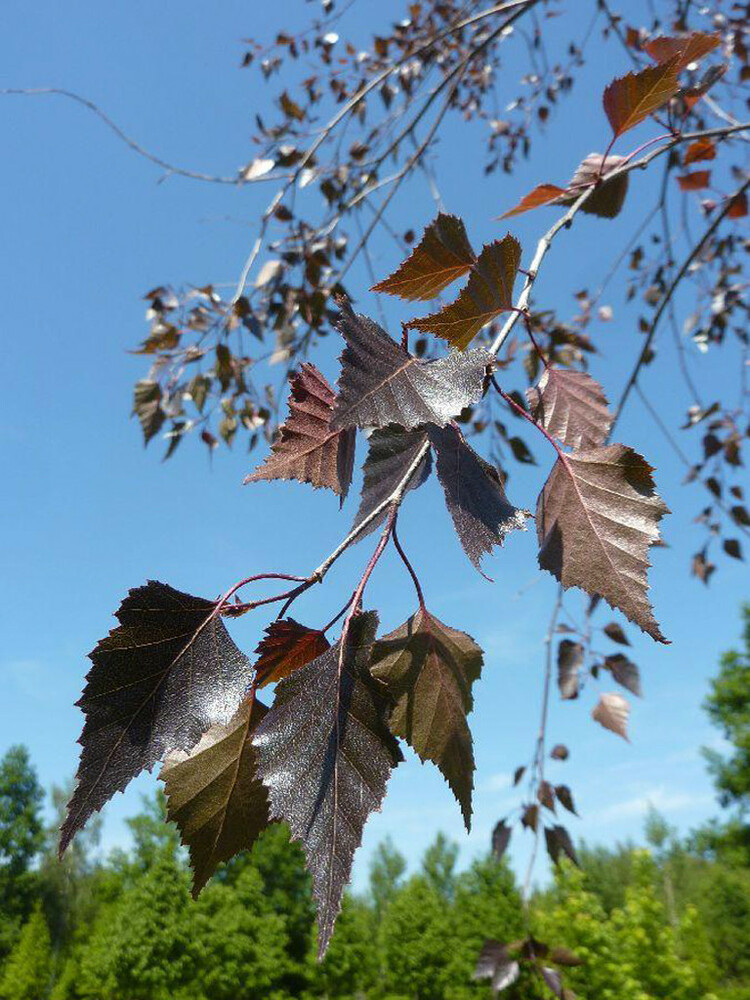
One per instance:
(658, 797)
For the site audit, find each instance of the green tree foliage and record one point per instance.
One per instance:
(21, 839)
(728, 706)
(28, 972)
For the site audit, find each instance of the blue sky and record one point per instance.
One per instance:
(86, 513)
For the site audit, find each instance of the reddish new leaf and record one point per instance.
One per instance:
(214, 795)
(632, 98)
(393, 453)
(159, 680)
(325, 754)
(474, 495)
(428, 670)
(307, 447)
(606, 201)
(569, 663)
(701, 149)
(442, 255)
(286, 647)
(738, 206)
(543, 194)
(488, 292)
(682, 49)
(695, 181)
(572, 407)
(612, 711)
(383, 384)
(596, 518)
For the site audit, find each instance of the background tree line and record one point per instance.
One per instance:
(669, 922)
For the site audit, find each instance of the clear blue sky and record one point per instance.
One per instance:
(87, 514)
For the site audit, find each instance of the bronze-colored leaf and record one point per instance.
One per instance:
(565, 798)
(612, 711)
(488, 292)
(738, 206)
(624, 672)
(564, 956)
(695, 181)
(530, 817)
(158, 681)
(214, 795)
(518, 774)
(147, 406)
(442, 255)
(494, 963)
(546, 795)
(609, 197)
(596, 518)
(383, 384)
(307, 447)
(630, 99)
(428, 670)
(543, 194)
(474, 495)
(701, 149)
(558, 841)
(559, 752)
(682, 49)
(325, 754)
(286, 647)
(392, 452)
(569, 663)
(614, 631)
(572, 407)
(501, 838)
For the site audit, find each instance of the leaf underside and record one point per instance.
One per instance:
(286, 647)
(325, 754)
(474, 495)
(632, 98)
(569, 663)
(612, 711)
(442, 255)
(214, 795)
(488, 292)
(572, 407)
(159, 680)
(428, 670)
(597, 516)
(307, 448)
(383, 384)
(392, 452)
(684, 48)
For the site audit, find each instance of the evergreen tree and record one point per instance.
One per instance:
(28, 971)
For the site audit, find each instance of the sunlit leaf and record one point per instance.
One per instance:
(442, 255)
(488, 292)
(596, 518)
(147, 406)
(683, 49)
(325, 754)
(383, 384)
(214, 795)
(307, 447)
(612, 711)
(632, 98)
(543, 194)
(159, 680)
(428, 670)
(572, 407)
